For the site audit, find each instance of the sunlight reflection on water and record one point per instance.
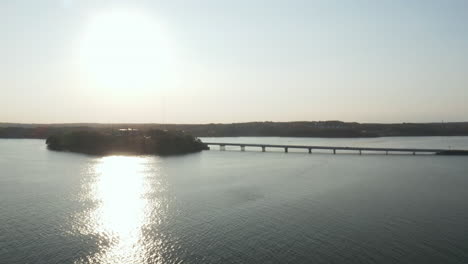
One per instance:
(233, 206)
(119, 191)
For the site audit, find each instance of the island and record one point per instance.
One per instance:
(126, 141)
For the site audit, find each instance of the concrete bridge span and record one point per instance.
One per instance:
(334, 149)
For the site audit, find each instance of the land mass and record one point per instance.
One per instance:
(126, 142)
(325, 129)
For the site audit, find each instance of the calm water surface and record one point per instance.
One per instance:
(235, 207)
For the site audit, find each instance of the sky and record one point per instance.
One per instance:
(223, 61)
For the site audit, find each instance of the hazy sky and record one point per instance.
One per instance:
(183, 61)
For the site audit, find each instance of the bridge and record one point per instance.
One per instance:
(334, 150)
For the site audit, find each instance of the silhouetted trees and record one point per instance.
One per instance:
(257, 129)
(152, 142)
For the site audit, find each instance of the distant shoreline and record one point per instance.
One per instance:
(37, 138)
(313, 129)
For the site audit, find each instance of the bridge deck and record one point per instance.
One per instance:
(334, 149)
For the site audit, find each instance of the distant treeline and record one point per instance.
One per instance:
(39, 132)
(330, 129)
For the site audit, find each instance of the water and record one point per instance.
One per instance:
(235, 207)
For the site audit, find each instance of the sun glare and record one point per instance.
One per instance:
(125, 49)
(119, 191)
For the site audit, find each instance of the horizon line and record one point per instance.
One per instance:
(227, 123)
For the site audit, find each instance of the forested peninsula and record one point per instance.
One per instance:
(128, 141)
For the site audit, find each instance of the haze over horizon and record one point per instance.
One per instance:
(70, 61)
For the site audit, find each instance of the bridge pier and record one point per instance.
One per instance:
(334, 151)
(242, 148)
(386, 152)
(263, 148)
(310, 150)
(414, 153)
(222, 147)
(286, 150)
(360, 152)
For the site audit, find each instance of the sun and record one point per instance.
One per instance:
(123, 50)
